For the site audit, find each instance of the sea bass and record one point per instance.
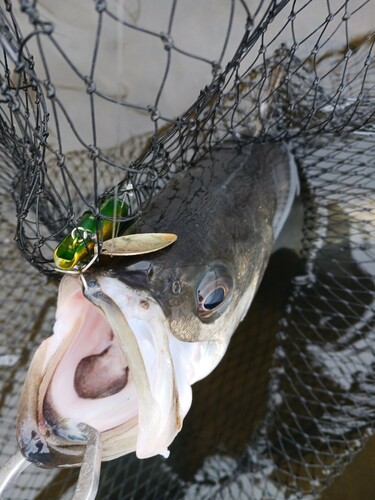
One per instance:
(128, 344)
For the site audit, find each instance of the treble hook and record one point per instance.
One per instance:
(88, 480)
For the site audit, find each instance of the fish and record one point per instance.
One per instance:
(133, 334)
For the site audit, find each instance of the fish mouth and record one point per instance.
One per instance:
(110, 363)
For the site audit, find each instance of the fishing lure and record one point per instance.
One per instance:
(78, 246)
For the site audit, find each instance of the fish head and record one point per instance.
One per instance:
(127, 346)
(133, 334)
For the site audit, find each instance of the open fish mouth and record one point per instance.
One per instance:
(113, 364)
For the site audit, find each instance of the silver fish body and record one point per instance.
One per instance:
(127, 349)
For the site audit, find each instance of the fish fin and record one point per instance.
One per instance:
(289, 188)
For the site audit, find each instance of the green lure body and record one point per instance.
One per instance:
(78, 246)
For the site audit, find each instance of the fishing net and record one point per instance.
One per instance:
(107, 99)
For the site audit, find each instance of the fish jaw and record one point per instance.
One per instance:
(127, 383)
(171, 365)
(50, 406)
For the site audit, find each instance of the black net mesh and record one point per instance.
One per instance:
(103, 98)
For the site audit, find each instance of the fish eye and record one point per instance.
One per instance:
(214, 299)
(213, 291)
